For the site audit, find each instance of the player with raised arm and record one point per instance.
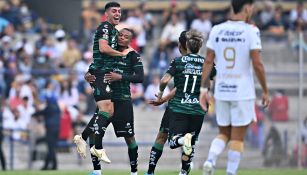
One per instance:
(104, 51)
(128, 69)
(187, 115)
(235, 47)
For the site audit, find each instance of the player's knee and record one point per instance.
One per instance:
(223, 137)
(185, 157)
(130, 140)
(237, 145)
(161, 138)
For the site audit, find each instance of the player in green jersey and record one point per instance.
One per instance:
(127, 69)
(104, 51)
(187, 115)
(157, 148)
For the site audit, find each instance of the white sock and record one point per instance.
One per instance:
(135, 173)
(233, 162)
(181, 140)
(97, 172)
(216, 148)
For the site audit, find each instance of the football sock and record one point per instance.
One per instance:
(186, 161)
(95, 161)
(89, 128)
(176, 141)
(233, 162)
(216, 148)
(155, 154)
(101, 123)
(133, 156)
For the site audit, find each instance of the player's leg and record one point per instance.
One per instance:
(133, 154)
(194, 127)
(178, 130)
(95, 160)
(123, 123)
(219, 143)
(157, 148)
(102, 119)
(242, 114)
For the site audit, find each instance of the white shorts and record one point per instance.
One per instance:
(235, 113)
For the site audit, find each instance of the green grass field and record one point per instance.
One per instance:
(194, 172)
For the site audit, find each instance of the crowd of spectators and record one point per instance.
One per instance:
(40, 61)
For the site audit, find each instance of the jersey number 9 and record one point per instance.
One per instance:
(230, 57)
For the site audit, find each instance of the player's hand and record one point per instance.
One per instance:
(89, 77)
(157, 102)
(204, 100)
(112, 76)
(265, 99)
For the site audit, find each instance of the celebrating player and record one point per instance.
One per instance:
(234, 45)
(127, 69)
(104, 52)
(187, 115)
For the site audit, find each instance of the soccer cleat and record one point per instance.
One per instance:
(208, 168)
(134, 173)
(101, 154)
(81, 145)
(148, 174)
(187, 146)
(94, 173)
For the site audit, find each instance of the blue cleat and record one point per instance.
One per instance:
(148, 174)
(94, 173)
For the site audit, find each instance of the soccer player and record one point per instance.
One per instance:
(104, 51)
(127, 69)
(157, 148)
(187, 116)
(235, 46)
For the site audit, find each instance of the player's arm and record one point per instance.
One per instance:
(105, 48)
(166, 78)
(138, 70)
(208, 69)
(204, 97)
(255, 54)
(103, 33)
(259, 71)
(165, 99)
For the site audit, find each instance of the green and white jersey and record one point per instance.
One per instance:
(131, 69)
(103, 63)
(187, 72)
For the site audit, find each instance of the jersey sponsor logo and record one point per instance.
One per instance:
(231, 40)
(188, 100)
(223, 87)
(192, 69)
(186, 59)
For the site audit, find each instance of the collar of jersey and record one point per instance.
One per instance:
(232, 21)
(192, 54)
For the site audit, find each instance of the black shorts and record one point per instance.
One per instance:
(164, 126)
(180, 124)
(102, 90)
(123, 120)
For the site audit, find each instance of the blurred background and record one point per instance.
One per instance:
(46, 47)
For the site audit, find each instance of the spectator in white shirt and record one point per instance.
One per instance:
(203, 24)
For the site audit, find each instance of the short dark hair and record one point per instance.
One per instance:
(183, 39)
(111, 4)
(131, 31)
(237, 5)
